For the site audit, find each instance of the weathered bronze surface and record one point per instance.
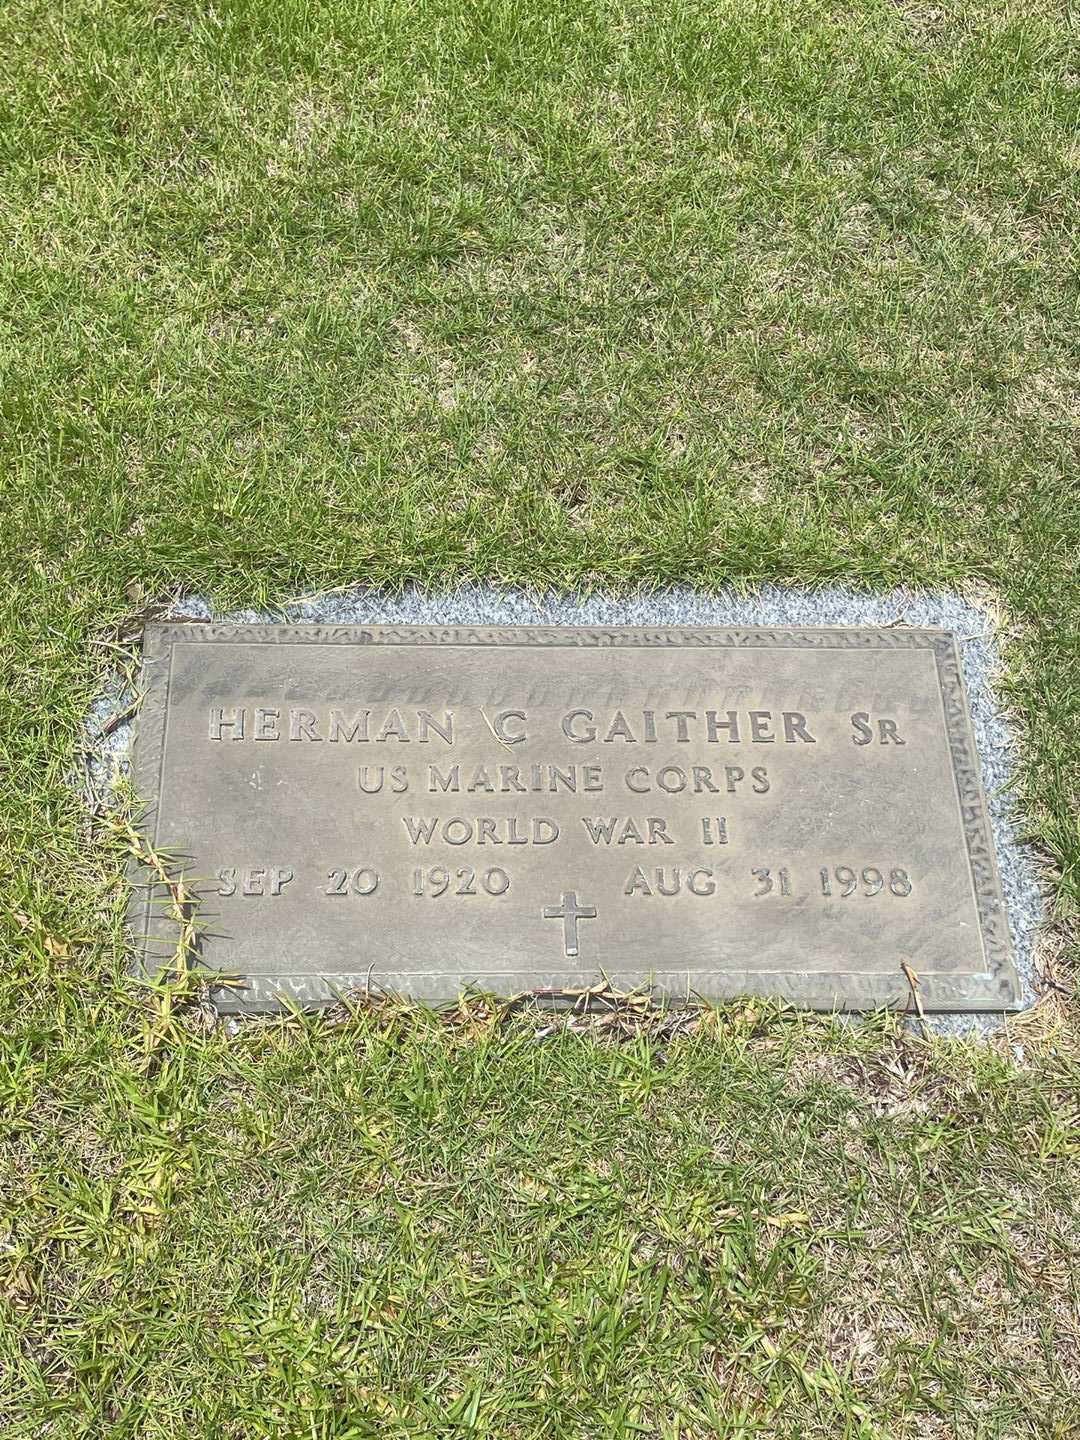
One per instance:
(714, 812)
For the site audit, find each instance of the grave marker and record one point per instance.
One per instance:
(715, 812)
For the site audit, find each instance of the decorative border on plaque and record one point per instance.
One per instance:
(159, 639)
(817, 990)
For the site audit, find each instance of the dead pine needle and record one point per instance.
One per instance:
(916, 999)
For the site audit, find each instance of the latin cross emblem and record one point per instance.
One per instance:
(570, 912)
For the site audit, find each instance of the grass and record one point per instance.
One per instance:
(561, 295)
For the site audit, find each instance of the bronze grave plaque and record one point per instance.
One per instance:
(793, 812)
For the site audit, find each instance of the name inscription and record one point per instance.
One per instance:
(715, 812)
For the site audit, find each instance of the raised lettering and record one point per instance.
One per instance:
(266, 723)
(599, 829)
(572, 734)
(620, 728)
(682, 726)
(438, 781)
(676, 781)
(234, 721)
(481, 780)
(393, 727)
(863, 732)
(760, 727)
(795, 728)
(889, 733)
(444, 729)
(502, 733)
(348, 730)
(399, 779)
(713, 726)
(419, 829)
(302, 725)
(592, 777)
(703, 780)
(637, 882)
